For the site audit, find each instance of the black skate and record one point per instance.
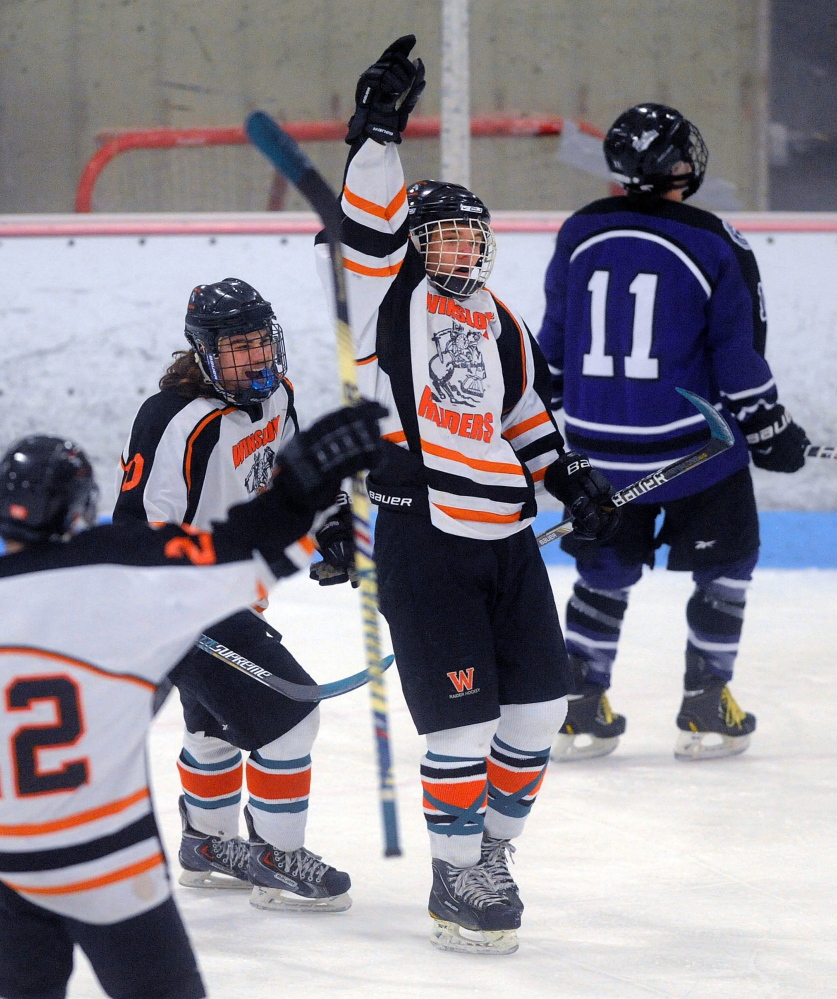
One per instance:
(208, 861)
(711, 723)
(293, 880)
(590, 729)
(494, 858)
(469, 914)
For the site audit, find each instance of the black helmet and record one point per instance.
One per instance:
(433, 202)
(232, 308)
(47, 490)
(644, 146)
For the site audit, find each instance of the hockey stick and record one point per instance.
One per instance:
(720, 441)
(286, 156)
(817, 451)
(293, 691)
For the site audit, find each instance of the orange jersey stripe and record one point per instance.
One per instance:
(521, 428)
(539, 475)
(371, 208)
(22, 650)
(462, 795)
(39, 828)
(206, 785)
(396, 437)
(90, 883)
(278, 786)
(522, 342)
(187, 460)
(366, 360)
(484, 466)
(389, 271)
(480, 515)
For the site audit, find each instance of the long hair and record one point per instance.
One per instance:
(185, 377)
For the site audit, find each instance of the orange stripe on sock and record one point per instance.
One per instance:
(512, 781)
(461, 795)
(211, 785)
(278, 786)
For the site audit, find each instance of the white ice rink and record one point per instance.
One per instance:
(642, 876)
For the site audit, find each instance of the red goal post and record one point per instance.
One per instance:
(116, 143)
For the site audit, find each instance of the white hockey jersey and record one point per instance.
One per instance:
(464, 382)
(188, 461)
(88, 628)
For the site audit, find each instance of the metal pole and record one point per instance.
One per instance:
(456, 111)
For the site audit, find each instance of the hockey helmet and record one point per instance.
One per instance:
(645, 146)
(451, 228)
(246, 373)
(47, 490)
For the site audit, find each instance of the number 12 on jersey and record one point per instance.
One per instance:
(639, 363)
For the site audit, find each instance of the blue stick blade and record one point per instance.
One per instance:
(717, 424)
(282, 151)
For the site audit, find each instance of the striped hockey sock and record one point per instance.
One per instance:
(715, 615)
(594, 623)
(455, 795)
(211, 773)
(514, 778)
(278, 799)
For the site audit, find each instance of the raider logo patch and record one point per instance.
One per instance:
(457, 369)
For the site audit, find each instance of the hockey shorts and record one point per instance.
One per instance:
(716, 527)
(473, 622)
(146, 957)
(228, 704)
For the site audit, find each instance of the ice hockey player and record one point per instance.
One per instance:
(208, 439)
(468, 444)
(645, 293)
(91, 620)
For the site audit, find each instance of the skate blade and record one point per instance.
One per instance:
(211, 879)
(568, 749)
(279, 900)
(709, 745)
(451, 936)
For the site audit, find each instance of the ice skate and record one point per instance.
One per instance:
(711, 723)
(293, 880)
(590, 729)
(469, 914)
(208, 861)
(494, 858)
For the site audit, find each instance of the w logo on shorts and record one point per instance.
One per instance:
(462, 679)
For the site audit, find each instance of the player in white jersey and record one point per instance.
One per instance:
(207, 440)
(91, 620)
(468, 445)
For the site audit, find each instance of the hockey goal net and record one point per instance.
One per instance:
(217, 170)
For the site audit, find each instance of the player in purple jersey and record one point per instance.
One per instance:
(645, 293)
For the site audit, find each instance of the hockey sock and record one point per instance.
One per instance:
(715, 615)
(279, 783)
(515, 775)
(210, 774)
(594, 622)
(454, 780)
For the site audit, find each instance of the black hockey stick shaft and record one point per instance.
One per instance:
(305, 692)
(720, 441)
(286, 156)
(818, 451)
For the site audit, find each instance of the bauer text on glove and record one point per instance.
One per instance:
(776, 443)
(386, 94)
(585, 493)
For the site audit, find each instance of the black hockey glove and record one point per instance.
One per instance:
(336, 541)
(584, 492)
(314, 463)
(386, 94)
(775, 441)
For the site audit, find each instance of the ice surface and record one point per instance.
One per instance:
(642, 877)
